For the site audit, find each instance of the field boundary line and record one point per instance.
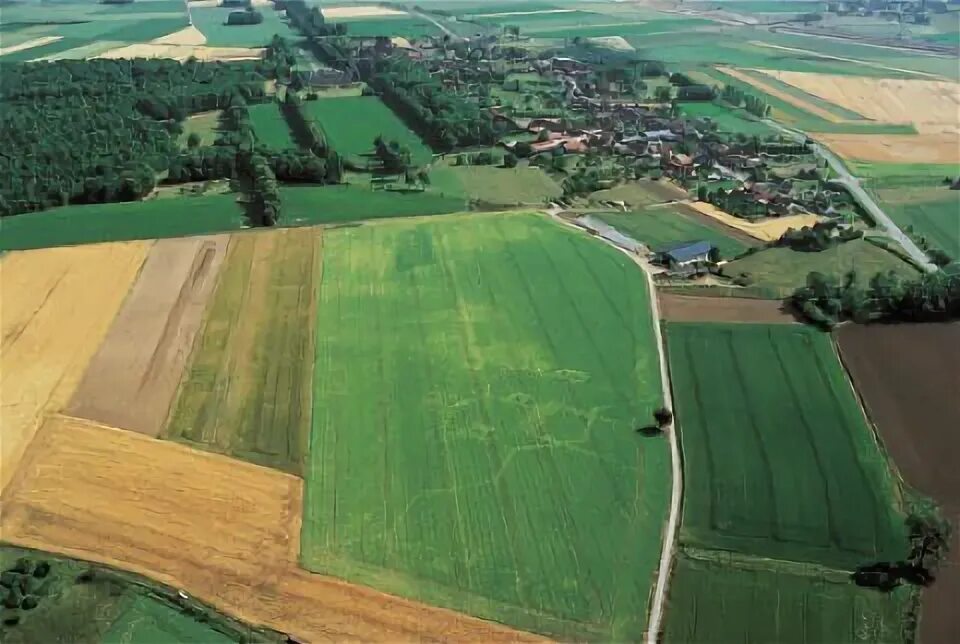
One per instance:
(676, 489)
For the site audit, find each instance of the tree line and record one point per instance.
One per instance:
(440, 116)
(738, 98)
(825, 300)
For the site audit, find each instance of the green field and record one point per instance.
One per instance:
(351, 124)
(270, 127)
(210, 21)
(931, 213)
(204, 125)
(147, 621)
(778, 459)
(121, 221)
(783, 269)
(407, 27)
(479, 380)
(309, 205)
(659, 226)
(616, 26)
(734, 121)
(760, 601)
(494, 185)
(761, 6)
(246, 392)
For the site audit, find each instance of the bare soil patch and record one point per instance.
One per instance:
(896, 148)
(225, 531)
(908, 378)
(57, 305)
(692, 308)
(131, 381)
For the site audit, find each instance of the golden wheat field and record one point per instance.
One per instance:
(221, 529)
(56, 305)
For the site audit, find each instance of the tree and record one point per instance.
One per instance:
(193, 140)
(662, 94)
(509, 160)
(663, 417)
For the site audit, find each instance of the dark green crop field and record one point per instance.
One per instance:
(121, 221)
(779, 461)
(270, 127)
(350, 125)
(479, 380)
(742, 600)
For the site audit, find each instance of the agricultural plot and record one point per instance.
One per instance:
(933, 214)
(154, 508)
(404, 26)
(131, 380)
(659, 226)
(247, 390)
(211, 22)
(122, 221)
(57, 305)
(784, 270)
(906, 374)
(779, 461)
(145, 620)
(735, 121)
(204, 125)
(496, 185)
(638, 195)
(626, 28)
(270, 127)
(351, 124)
(738, 600)
(309, 205)
(487, 375)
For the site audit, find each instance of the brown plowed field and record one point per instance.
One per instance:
(221, 529)
(132, 379)
(691, 308)
(56, 304)
(909, 378)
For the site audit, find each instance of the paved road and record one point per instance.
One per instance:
(863, 198)
(655, 622)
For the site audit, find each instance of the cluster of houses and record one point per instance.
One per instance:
(906, 11)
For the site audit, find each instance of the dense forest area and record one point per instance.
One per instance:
(101, 130)
(97, 131)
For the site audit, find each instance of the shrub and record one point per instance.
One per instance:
(29, 602)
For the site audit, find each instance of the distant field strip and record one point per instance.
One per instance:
(779, 461)
(743, 600)
(246, 392)
(479, 381)
(658, 227)
(56, 305)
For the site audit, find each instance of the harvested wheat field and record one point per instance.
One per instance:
(766, 230)
(132, 379)
(786, 97)
(925, 103)
(691, 308)
(364, 11)
(895, 148)
(183, 52)
(56, 304)
(186, 36)
(223, 530)
(29, 44)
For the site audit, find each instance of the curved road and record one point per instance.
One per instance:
(655, 623)
(863, 198)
